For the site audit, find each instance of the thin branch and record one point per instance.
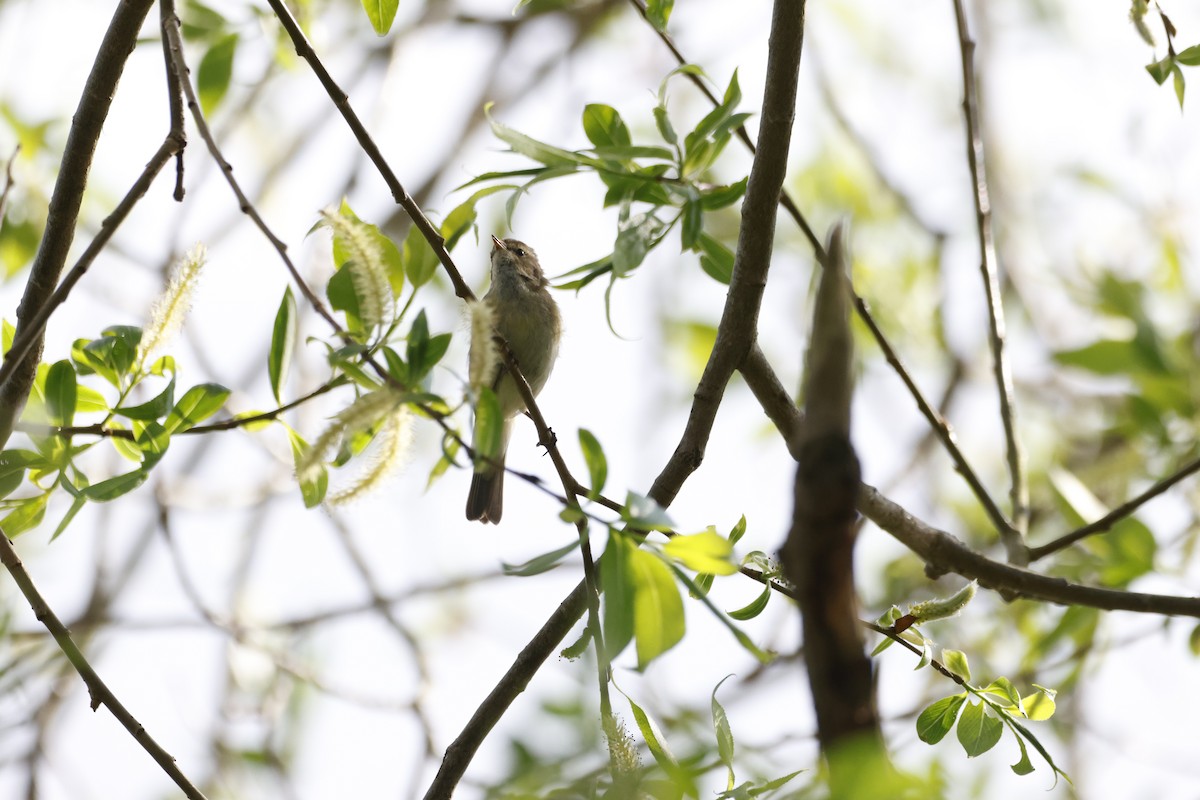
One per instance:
(166, 10)
(97, 689)
(171, 27)
(1013, 537)
(342, 102)
(16, 377)
(944, 553)
(1119, 513)
(225, 425)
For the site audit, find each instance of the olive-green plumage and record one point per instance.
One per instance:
(525, 314)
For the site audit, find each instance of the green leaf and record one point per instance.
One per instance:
(541, 152)
(739, 530)
(658, 12)
(26, 516)
(721, 196)
(604, 127)
(715, 259)
(579, 647)
(1189, 57)
(597, 464)
(956, 662)
(1024, 766)
(1003, 688)
(662, 121)
(155, 408)
(283, 342)
(13, 464)
(937, 718)
(381, 13)
(1177, 73)
(692, 214)
(424, 351)
(1040, 705)
(76, 506)
(757, 606)
(489, 426)
(978, 731)
(1161, 70)
(344, 297)
(313, 486)
(420, 262)
(707, 551)
(655, 741)
(89, 400)
(616, 581)
(197, 404)
(658, 622)
(724, 734)
(543, 563)
(215, 72)
(114, 487)
(61, 393)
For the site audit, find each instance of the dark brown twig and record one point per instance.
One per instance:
(8, 183)
(1012, 536)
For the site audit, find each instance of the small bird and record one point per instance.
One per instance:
(525, 314)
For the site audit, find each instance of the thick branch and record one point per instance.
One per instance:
(738, 328)
(943, 553)
(63, 211)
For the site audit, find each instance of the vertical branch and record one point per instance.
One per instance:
(87, 123)
(818, 555)
(1013, 537)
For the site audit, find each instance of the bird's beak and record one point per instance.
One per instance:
(498, 244)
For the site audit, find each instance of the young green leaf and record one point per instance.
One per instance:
(707, 551)
(420, 262)
(197, 404)
(978, 731)
(956, 662)
(604, 127)
(724, 734)
(616, 580)
(26, 516)
(313, 478)
(593, 456)
(739, 530)
(283, 342)
(154, 408)
(1040, 705)
(114, 487)
(644, 514)
(757, 606)
(61, 393)
(539, 564)
(215, 72)
(658, 12)
(77, 504)
(381, 13)
(658, 622)
(936, 720)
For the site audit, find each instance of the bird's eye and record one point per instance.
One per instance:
(520, 253)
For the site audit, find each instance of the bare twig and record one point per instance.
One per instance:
(1119, 513)
(166, 10)
(1012, 537)
(342, 102)
(17, 375)
(97, 689)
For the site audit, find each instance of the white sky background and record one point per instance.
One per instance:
(1076, 98)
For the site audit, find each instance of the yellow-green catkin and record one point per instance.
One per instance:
(385, 457)
(943, 607)
(172, 307)
(365, 263)
(366, 411)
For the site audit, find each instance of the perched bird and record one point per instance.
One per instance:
(523, 312)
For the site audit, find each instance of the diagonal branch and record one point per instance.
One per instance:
(1013, 538)
(63, 212)
(1119, 513)
(97, 689)
(738, 328)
